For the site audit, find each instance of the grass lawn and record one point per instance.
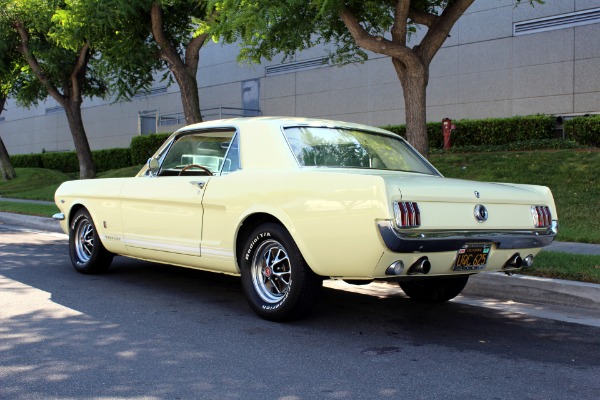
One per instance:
(41, 210)
(574, 267)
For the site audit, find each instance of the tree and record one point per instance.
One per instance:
(62, 43)
(8, 73)
(270, 27)
(6, 168)
(176, 30)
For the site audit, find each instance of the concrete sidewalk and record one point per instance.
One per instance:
(518, 288)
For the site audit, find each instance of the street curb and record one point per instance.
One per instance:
(30, 222)
(532, 289)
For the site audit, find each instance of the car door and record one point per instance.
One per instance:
(163, 212)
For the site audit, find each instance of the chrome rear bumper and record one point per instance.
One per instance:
(439, 241)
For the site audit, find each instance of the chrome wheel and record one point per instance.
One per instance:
(271, 271)
(84, 240)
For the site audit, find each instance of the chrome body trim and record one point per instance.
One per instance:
(439, 241)
(59, 216)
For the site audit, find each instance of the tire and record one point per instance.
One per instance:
(434, 290)
(276, 281)
(88, 255)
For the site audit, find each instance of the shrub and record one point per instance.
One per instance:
(26, 161)
(108, 159)
(488, 132)
(63, 161)
(584, 130)
(143, 147)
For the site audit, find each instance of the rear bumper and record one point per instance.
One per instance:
(440, 241)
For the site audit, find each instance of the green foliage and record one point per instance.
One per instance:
(584, 130)
(533, 144)
(267, 28)
(34, 184)
(62, 161)
(27, 161)
(58, 31)
(66, 162)
(575, 267)
(494, 131)
(143, 147)
(42, 210)
(489, 132)
(109, 159)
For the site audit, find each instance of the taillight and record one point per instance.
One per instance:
(542, 217)
(407, 214)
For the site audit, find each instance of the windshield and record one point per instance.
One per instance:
(348, 148)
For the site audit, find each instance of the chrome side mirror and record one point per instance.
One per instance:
(153, 166)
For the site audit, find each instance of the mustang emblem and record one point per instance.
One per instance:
(481, 213)
(477, 194)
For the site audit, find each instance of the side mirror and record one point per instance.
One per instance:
(153, 166)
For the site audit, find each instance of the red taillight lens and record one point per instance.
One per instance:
(407, 214)
(542, 217)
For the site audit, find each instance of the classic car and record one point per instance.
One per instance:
(287, 202)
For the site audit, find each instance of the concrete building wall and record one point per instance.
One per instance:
(483, 70)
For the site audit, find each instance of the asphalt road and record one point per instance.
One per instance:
(148, 331)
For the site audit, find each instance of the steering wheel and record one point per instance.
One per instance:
(195, 166)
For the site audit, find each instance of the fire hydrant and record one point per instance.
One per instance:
(447, 128)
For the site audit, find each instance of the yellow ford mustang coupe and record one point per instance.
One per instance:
(286, 203)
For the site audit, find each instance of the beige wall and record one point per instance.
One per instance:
(482, 71)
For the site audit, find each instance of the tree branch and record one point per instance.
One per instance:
(192, 51)
(167, 51)
(35, 66)
(439, 30)
(422, 18)
(78, 73)
(375, 44)
(400, 17)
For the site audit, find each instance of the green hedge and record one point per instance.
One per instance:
(64, 161)
(584, 130)
(106, 160)
(142, 147)
(27, 161)
(489, 132)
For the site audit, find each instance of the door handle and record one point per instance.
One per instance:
(200, 184)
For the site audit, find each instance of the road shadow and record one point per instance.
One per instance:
(158, 331)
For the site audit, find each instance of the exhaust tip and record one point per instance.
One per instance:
(514, 262)
(528, 261)
(395, 268)
(421, 266)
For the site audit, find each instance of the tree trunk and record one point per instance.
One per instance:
(414, 84)
(82, 147)
(189, 94)
(8, 172)
(6, 168)
(184, 72)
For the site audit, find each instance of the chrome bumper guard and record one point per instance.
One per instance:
(439, 241)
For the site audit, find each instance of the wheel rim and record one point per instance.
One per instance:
(271, 271)
(84, 240)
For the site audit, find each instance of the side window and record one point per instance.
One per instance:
(232, 159)
(194, 153)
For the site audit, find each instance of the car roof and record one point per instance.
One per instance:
(279, 122)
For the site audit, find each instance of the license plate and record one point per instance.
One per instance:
(472, 256)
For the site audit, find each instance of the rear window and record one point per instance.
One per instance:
(348, 148)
